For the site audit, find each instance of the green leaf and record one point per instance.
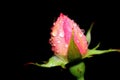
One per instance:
(73, 51)
(88, 35)
(52, 62)
(78, 71)
(98, 52)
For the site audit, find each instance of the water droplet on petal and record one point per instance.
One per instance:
(60, 21)
(83, 30)
(80, 34)
(50, 41)
(53, 34)
(58, 41)
(53, 23)
(74, 25)
(61, 34)
(78, 41)
(66, 45)
(54, 44)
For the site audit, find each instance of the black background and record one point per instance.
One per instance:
(29, 23)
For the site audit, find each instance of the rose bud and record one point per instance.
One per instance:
(67, 38)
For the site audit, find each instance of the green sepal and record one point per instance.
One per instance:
(78, 70)
(96, 46)
(92, 52)
(88, 35)
(53, 62)
(73, 51)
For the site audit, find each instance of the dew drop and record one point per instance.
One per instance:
(53, 34)
(50, 41)
(74, 25)
(53, 23)
(58, 41)
(83, 30)
(60, 21)
(61, 34)
(78, 41)
(54, 44)
(80, 34)
(66, 45)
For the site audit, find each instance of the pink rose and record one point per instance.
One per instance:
(61, 34)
